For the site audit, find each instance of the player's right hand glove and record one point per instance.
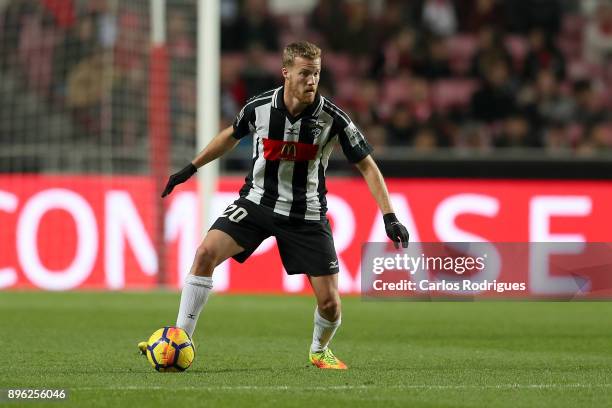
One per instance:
(395, 230)
(178, 178)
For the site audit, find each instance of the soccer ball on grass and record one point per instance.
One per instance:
(170, 349)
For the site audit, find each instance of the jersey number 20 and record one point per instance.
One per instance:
(234, 213)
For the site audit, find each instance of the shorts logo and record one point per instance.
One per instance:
(289, 151)
(333, 264)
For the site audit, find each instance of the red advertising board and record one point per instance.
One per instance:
(95, 232)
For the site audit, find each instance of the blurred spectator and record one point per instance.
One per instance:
(230, 37)
(425, 140)
(419, 99)
(184, 129)
(132, 42)
(83, 40)
(589, 109)
(388, 65)
(598, 35)
(516, 132)
(439, 17)
(324, 19)
(588, 7)
(228, 101)
(545, 102)
(397, 57)
(37, 41)
(366, 103)
(473, 136)
(184, 95)
(495, 99)
(377, 137)
(253, 25)
(522, 16)
(598, 139)
(601, 136)
(490, 49)
(11, 23)
(180, 38)
(88, 82)
(106, 22)
(476, 14)
(183, 111)
(353, 33)
(396, 16)
(436, 62)
(229, 10)
(401, 127)
(327, 83)
(556, 138)
(543, 54)
(79, 42)
(255, 78)
(545, 14)
(63, 12)
(129, 124)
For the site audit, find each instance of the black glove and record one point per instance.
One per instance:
(395, 230)
(178, 178)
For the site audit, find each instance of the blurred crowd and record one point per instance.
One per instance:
(90, 59)
(464, 74)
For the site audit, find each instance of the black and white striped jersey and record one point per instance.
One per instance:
(291, 154)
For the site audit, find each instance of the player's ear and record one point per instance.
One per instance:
(285, 72)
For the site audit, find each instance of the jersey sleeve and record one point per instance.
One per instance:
(354, 145)
(244, 122)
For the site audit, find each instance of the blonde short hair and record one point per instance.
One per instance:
(302, 49)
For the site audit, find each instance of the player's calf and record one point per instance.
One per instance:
(330, 307)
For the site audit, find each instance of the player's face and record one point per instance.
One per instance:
(302, 79)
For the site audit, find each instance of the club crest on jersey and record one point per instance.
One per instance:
(315, 127)
(315, 131)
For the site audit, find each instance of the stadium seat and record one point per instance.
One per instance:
(233, 61)
(461, 49)
(570, 47)
(346, 88)
(396, 90)
(339, 64)
(578, 68)
(272, 63)
(517, 47)
(452, 93)
(573, 25)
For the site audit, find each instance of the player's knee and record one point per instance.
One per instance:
(330, 308)
(205, 257)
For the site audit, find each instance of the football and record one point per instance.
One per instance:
(170, 349)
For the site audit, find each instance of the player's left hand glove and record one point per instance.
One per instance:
(178, 178)
(396, 231)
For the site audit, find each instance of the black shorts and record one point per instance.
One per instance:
(305, 246)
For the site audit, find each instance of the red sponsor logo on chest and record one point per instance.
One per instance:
(292, 151)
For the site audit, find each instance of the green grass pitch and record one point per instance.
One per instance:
(252, 351)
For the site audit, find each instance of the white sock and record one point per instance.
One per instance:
(193, 298)
(323, 332)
